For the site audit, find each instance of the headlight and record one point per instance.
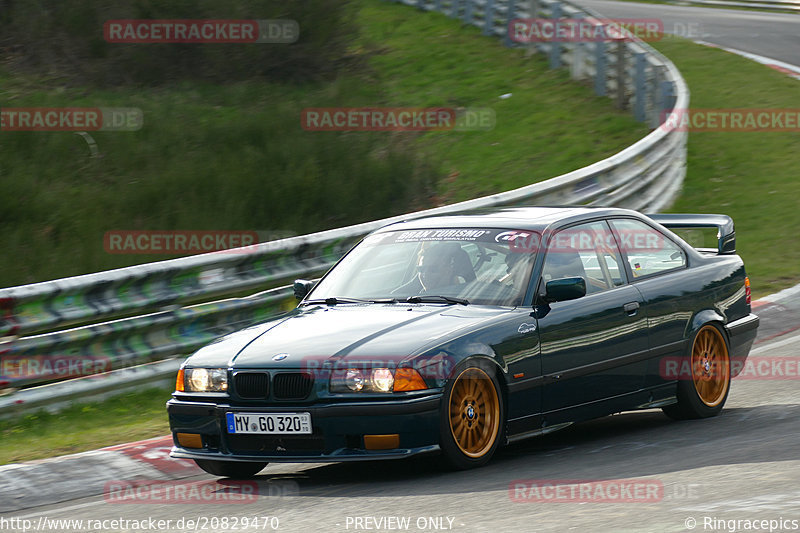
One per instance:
(354, 380)
(382, 379)
(376, 380)
(204, 380)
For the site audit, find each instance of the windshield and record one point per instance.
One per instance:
(482, 266)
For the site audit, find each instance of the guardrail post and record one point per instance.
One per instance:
(578, 52)
(600, 68)
(488, 17)
(509, 17)
(468, 12)
(640, 87)
(620, 53)
(667, 100)
(555, 46)
(658, 95)
(454, 11)
(533, 11)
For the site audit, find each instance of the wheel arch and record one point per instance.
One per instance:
(703, 318)
(488, 364)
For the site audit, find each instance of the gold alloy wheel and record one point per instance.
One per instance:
(474, 412)
(711, 367)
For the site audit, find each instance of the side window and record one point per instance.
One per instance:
(588, 251)
(648, 251)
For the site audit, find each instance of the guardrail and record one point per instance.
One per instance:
(41, 323)
(779, 5)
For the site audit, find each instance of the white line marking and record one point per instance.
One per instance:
(758, 59)
(776, 344)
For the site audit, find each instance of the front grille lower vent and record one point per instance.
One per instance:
(252, 385)
(292, 386)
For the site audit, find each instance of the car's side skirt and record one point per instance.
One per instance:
(650, 398)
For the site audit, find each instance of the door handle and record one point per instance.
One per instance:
(631, 308)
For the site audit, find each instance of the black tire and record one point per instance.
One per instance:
(703, 393)
(231, 469)
(471, 417)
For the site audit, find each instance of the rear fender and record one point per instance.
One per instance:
(702, 318)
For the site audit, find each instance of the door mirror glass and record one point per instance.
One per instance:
(560, 290)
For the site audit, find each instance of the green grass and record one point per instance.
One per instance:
(124, 418)
(430, 60)
(234, 157)
(751, 176)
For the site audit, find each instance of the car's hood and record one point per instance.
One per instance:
(356, 332)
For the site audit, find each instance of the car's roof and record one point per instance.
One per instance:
(530, 218)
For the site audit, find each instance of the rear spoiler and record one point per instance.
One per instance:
(726, 235)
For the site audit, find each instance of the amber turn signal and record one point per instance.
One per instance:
(382, 442)
(190, 440)
(408, 379)
(179, 386)
(747, 290)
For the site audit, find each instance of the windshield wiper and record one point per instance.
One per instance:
(339, 300)
(435, 298)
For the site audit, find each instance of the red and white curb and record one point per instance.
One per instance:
(786, 68)
(65, 478)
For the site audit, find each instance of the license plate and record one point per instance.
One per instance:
(269, 423)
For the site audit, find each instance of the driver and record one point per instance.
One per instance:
(436, 270)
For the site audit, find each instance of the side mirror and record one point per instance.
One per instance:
(302, 287)
(560, 290)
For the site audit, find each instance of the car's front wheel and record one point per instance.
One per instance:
(471, 419)
(230, 469)
(703, 393)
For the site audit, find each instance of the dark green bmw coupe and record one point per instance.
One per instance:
(462, 333)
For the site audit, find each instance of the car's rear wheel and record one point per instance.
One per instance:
(230, 469)
(471, 420)
(703, 394)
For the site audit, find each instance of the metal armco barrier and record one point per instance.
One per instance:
(78, 319)
(780, 5)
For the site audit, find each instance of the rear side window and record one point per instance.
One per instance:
(647, 250)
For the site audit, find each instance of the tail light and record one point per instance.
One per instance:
(747, 290)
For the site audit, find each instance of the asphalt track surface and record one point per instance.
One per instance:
(774, 35)
(741, 465)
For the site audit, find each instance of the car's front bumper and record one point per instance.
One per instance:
(338, 430)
